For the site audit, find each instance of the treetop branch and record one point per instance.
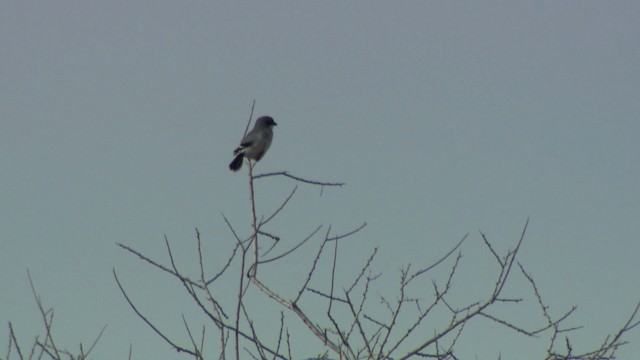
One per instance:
(297, 178)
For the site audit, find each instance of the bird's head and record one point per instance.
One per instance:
(265, 121)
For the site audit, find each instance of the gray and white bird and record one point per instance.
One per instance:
(255, 144)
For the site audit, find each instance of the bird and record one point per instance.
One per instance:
(255, 144)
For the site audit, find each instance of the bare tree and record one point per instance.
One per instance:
(45, 348)
(349, 328)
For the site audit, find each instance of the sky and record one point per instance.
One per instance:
(118, 120)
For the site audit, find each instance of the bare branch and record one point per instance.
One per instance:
(333, 273)
(253, 105)
(239, 303)
(189, 287)
(509, 259)
(316, 330)
(423, 314)
(196, 350)
(486, 242)
(216, 306)
(502, 278)
(364, 268)
(256, 341)
(338, 237)
(292, 249)
(13, 340)
(202, 340)
(43, 313)
(224, 268)
(233, 231)
(253, 269)
(155, 329)
(313, 267)
(154, 263)
(396, 311)
(276, 211)
(280, 333)
(93, 345)
(422, 271)
(286, 174)
(507, 324)
(356, 322)
(327, 296)
(289, 344)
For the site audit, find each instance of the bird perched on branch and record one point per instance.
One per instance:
(255, 144)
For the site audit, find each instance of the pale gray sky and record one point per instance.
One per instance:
(118, 120)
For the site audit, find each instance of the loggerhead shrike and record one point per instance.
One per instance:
(255, 144)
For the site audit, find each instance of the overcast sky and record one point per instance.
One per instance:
(118, 120)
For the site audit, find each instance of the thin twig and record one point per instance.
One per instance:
(14, 340)
(193, 342)
(276, 211)
(256, 341)
(422, 271)
(280, 333)
(95, 341)
(486, 242)
(313, 267)
(333, 276)
(338, 237)
(233, 231)
(156, 264)
(502, 279)
(253, 105)
(239, 304)
(155, 329)
(254, 222)
(297, 178)
(327, 296)
(47, 323)
(363, 269)
(293, 248)
(315, 329)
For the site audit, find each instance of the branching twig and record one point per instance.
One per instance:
(156, 264)
(471, 313)
(293, 248)
(47, 320)
(13, 340)
(196, 350)
(313, 268)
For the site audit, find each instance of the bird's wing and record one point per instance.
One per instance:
(243, 145)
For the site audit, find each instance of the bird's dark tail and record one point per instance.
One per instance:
(236, 164)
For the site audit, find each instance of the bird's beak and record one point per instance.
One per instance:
(275, 124)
